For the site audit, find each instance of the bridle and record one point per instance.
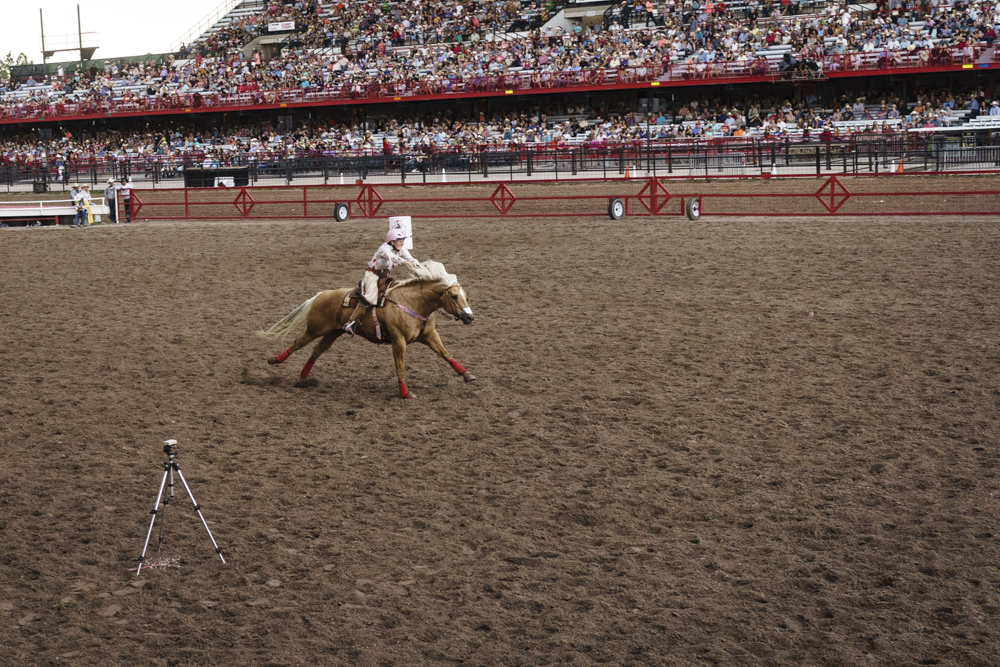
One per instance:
(414, 314)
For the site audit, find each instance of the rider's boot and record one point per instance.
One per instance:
(358, 313)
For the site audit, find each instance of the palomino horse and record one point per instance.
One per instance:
(407, 317)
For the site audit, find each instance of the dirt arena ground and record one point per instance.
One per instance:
(736, 442)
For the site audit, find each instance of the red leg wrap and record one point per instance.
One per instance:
(281, 357)
(457, 366)
(403, 393)
(307, 368)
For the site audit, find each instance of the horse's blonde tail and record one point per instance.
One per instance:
(292, 321)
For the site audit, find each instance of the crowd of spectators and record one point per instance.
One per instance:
(450, 42)
(417, 69)
(695, 118)
(340, 24)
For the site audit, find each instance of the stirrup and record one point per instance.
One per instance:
(349, 327)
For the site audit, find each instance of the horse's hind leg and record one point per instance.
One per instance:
(300, 342)
(433, 341)
(321, 347)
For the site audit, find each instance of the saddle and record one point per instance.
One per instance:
(354, 297)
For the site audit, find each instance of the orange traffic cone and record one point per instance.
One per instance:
(899, 167)
(627, 174)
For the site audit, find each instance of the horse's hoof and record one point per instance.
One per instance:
(408, 396)
(273, 361)
(469, 377)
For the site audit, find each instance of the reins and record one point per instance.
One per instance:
(409, 311)
(414, 314)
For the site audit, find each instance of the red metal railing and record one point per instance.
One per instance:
(788, 196)
(665, 74)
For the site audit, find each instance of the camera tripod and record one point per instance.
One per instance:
(168, 474)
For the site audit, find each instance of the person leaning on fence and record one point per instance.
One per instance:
(85, 199)
(126, 190)
(110, 195)
(76, 193)
(81, 202)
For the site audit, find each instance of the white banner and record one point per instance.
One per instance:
(403, 222)
(283, 25)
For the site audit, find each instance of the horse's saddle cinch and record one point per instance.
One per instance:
(380, 337)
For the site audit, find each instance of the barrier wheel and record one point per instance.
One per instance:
(616, 209)
(692, 208)
(340, 212)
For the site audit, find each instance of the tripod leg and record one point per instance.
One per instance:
(150, 531)
(166, 501)
(197, 509)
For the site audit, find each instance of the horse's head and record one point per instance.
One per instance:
(431, 274)
(454, 302)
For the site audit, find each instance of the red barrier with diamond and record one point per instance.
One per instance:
(651, 198)
(369, 201)
(833, 194)
(503, 198)
(899, 194)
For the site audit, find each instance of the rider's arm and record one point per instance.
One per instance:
(405, 254)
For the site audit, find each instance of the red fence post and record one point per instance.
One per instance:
(136, 205)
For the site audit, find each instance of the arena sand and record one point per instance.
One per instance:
(736, 442)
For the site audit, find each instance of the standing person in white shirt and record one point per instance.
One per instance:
(110, 196)
(87, 218)
(76, 194)
(388, 256)
(126, 189)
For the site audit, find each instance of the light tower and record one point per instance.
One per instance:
(63, 43)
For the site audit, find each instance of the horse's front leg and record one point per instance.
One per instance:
(399, 358)
(433, 341)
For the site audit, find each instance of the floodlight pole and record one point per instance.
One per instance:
(41, 20)
(79, 32)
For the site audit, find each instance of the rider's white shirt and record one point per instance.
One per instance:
(386, 258)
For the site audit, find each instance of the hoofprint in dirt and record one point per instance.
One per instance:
(736, 442)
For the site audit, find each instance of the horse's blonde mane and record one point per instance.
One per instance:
(428, 270)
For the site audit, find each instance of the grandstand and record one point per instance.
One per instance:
(226, 14)
(322, 80)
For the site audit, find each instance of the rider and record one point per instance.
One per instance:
(388, 256)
